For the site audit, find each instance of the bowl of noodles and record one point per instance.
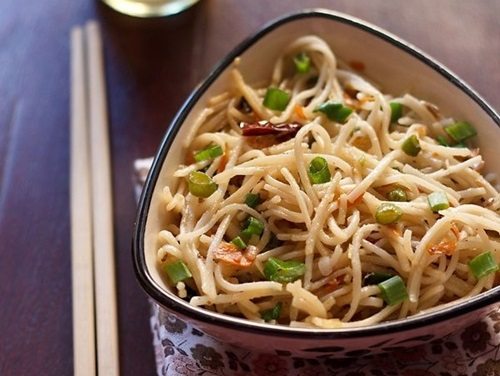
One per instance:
(327, 189)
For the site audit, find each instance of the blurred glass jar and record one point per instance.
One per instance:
(150, 8)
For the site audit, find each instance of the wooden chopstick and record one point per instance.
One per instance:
(104, 262)
(81, 217)
(92, 242)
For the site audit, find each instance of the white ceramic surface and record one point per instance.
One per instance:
(398, 68)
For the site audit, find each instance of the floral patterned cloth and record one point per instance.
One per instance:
(181, 349)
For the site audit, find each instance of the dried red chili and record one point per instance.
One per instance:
(265, 128)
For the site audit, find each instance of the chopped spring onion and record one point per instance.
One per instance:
(272, 314)
(483, 264)
(200, 184)
(319, 172)
(393, 290)
(276, 99)
(210, 152)
(238, 242)
(438, 201)
(302, 63)
(375, 278)
(334, 111)
(177, 271)
(461, 131)
(388, 213)
(253, 227)
(252, 200)
(442, 141)
(411, 146)
(245, 235)
(283, 271)
(397, 194)
(396, 111)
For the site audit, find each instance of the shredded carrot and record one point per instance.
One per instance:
(299, 111)
(447, 245)
(362, 143)
(332, 284)
(444, 247)
(391, 231)
(230, 254)
(222, 164)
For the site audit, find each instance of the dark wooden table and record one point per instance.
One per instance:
(151, 66)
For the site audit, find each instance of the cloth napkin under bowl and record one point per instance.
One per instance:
(181, 349)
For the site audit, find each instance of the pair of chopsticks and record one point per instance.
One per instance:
(92, 250)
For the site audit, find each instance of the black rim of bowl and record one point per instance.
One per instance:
(201, 315)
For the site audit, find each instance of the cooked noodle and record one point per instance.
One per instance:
(331, 227)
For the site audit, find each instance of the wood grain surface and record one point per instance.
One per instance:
(151, 67)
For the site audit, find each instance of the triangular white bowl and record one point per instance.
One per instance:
(395, 65)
